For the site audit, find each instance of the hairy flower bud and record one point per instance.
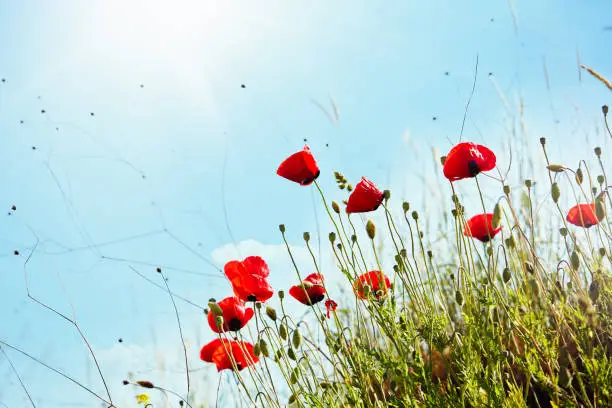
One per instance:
(335, 207)
(555, 168)
(371, 229)
(281, 227)
(405, 206)
(296, 339)
(332, 237)
(555, 192)
(282, 331)
(579, 176)
(307, 236)
(216, 309)
(271, 313)
(496, 216)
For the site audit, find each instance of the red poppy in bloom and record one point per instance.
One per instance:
(249, 279)
(331, 306)
(300, 167)
(365, 197)
(220, 352)
(481, 227)
(467, 160)
(373, 279)
(583, 215)
(310, 291)
(235, 315)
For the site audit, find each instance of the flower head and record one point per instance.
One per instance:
(481, 227)
(310, 291)
(376, 281)
(467, 160)
(235, 315)
(365, 197)
(331, 306)
(300, 167)
(249, 279)
(222, 352)
(583, 215)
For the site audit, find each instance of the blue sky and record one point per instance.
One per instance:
(175, 146)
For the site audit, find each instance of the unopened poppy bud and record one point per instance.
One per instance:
(371, 229)
(594, 291)
(291, 354)
(528, 183)
(405, 206)
(555, 168)
(256, 349)
(219, 322)
(555, 192)
(604, 109)
(281, 294)
(597, 151)
(325, 385)
(339, 246)
(258, 305)
(506, 190)
(332, 237)
(271, 313)
(294, 375)
(145, 384)
(282, 228)
(442, 160)
(574, 260)
(296, 339)
(278, 355)
(263, 346)
(458, 298)
(579, 176)
(292, 399)
(396, 268)
(506, 275)
(354, 238)
(594, 190)
(602, 251)
(386, 194)
(307, 236)
(429, 254)
(600, 179)
(349, 187)
(529, 267)
(496, 216)
(282, 331)
(489, 250)
(563, 231)
(335, 207)
(415, 215)
(542, 141)
(216, 309)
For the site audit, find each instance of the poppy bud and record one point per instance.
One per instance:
(528, 183)
(429, 254)
(271, 313)
(292, 399)
(332, 237)
(145, 384)
(600, 179)
(506, 190)
(294, 375)
(278, 355)
(282, 228)
(442, 160)
(542, 141)
(307, 236)
(349, 187)
(579, 176)
(296, 339)
(282, 331)
(353, 238)
(281, 294)
(563, 231)
(602, 251)
(335, 207)
(258, 305)
(415, 215)
(458, 298)
(263, 346)
(597, 151)
(594, 291)
(371, 229)
(405, 206)
(529, 267)
(510, 242)
(555, 192)
(219, 322)
(216, 309)
(256, 349)
(506, 275)
(496, 216)
(604, 109)
(574, 260)
(386, 194)
(339, 246)
(291, 354)
(555, 168)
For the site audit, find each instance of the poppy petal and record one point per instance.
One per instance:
(365, 197)
(583, 215)
(481, 227)
(300, 167)
(466, 160)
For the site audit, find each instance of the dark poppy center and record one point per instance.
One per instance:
(473, 168)
(315, 299)
(252, 298)
(239, 366)
(234, 324)
(309, 180)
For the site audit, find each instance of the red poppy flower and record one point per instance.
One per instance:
(235, 315)
(375, 280)
(481, 227)
(249, 279)
(467, 160)
(365, 197)
(220, 352)
(331, 306)
(583, 215)
(311, 290)
(300, 167)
